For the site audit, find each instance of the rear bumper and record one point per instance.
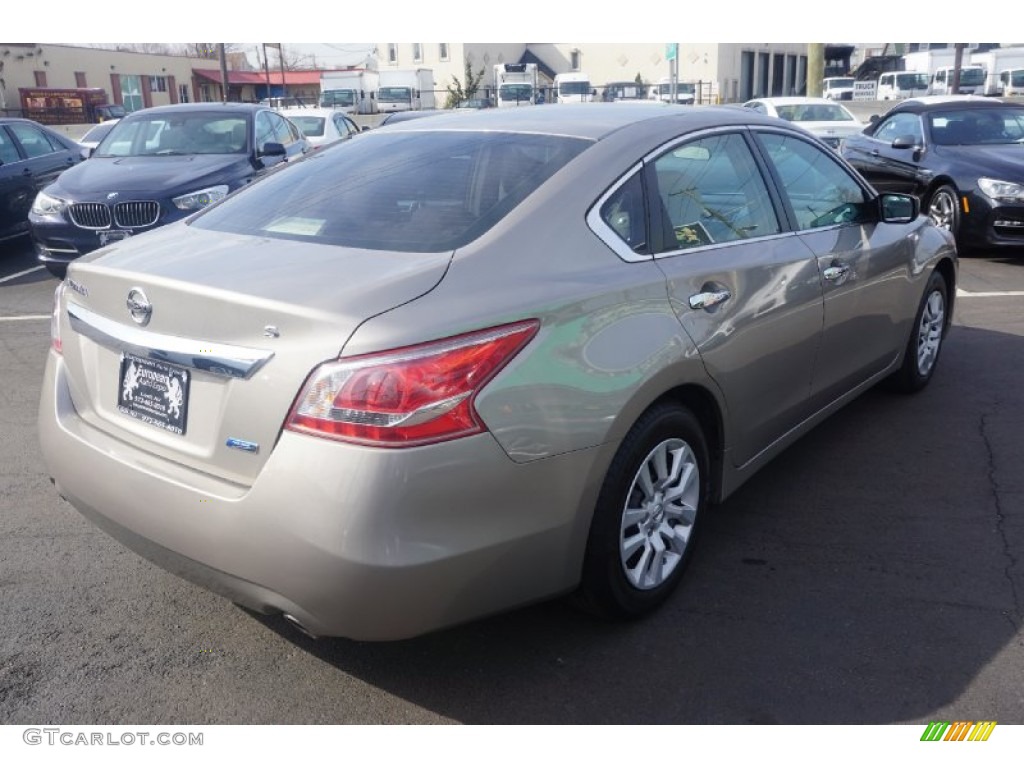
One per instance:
(352, 541)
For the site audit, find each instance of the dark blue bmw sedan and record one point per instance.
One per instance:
(156, 166)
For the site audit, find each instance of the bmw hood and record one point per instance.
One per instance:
(1000, 161)
(157, 176)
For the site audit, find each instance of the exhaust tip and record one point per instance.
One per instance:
(298, 625)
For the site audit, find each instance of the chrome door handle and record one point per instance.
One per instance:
(835, 272)
(708, 299)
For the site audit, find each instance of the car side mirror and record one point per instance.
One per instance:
(873, 119)
(905, 142)
(86, 152)
(895, 208)
(273, 149)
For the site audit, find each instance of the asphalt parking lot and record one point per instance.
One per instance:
(873, 573)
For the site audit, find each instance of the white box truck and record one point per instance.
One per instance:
(972, 80)
(515, 85)
(662, 91)
(352, 91)
(1011, 82)
(996, 61)
(402, 90)
(573, 88)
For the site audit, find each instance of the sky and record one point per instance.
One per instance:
(536, 20)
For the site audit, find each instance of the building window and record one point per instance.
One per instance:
(131, 92)
(158, 84)
(40, 79)
(442, 51)
(392, 53)
(417, 52)
(183, 94)
(80, 80)
(574, 60)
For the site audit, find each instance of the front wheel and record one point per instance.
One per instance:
(647, 514)
(922, 352)
(944, 209)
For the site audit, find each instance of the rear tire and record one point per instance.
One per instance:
(926, 335)
(647, 515)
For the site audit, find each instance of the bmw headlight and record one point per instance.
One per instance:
(47, 205)
(201, 198)
(1002, 190)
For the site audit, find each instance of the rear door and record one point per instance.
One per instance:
(747, 291)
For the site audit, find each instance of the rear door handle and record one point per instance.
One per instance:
(709, 299)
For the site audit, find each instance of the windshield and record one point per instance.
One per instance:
(840, 82)
(665, 89)
(311, 126)
(515, 92)
(339, 98)
(1017, 78)
(97, 133)
(1003, 125)
(416, 191)
(394, 94)
(917, 81)
(624, 91)
(574, 88)
(176, 133)
(816, 113)
(972, 76)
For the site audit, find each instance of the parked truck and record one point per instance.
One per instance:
(1011, 82)
(66, 106)
(662, 91)
(996, 61)
(402, 90)
(515, 84)
(940, 64)
(353, 91)
(573, 88)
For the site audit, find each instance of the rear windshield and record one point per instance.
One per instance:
(408, 191)
(311, 126)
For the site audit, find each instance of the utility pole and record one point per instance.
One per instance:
(223, 72)
(815, 68)
(958, 60)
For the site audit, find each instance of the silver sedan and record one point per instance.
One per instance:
(474, 362)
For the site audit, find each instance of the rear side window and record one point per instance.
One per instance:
(412, 191)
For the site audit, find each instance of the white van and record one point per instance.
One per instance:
(573, 88)
(972, 80)
(1011, 82)
(893, 86)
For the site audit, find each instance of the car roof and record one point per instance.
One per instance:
(310, 112)
(931, 103)
(589, 120)
(205, 106)
(781, 101)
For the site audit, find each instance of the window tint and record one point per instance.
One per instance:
(264, 130)
(712, 192)
(903, 124)
(625, 214)
(8, 152)
(821, 192)
(32, 140)
(409, 191)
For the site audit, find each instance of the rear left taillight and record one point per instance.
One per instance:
(409, 396)
(55, 342)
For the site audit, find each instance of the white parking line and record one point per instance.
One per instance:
(986, 294)
(12, 318)
(19, 274)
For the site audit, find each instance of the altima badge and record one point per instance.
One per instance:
(139, 307)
